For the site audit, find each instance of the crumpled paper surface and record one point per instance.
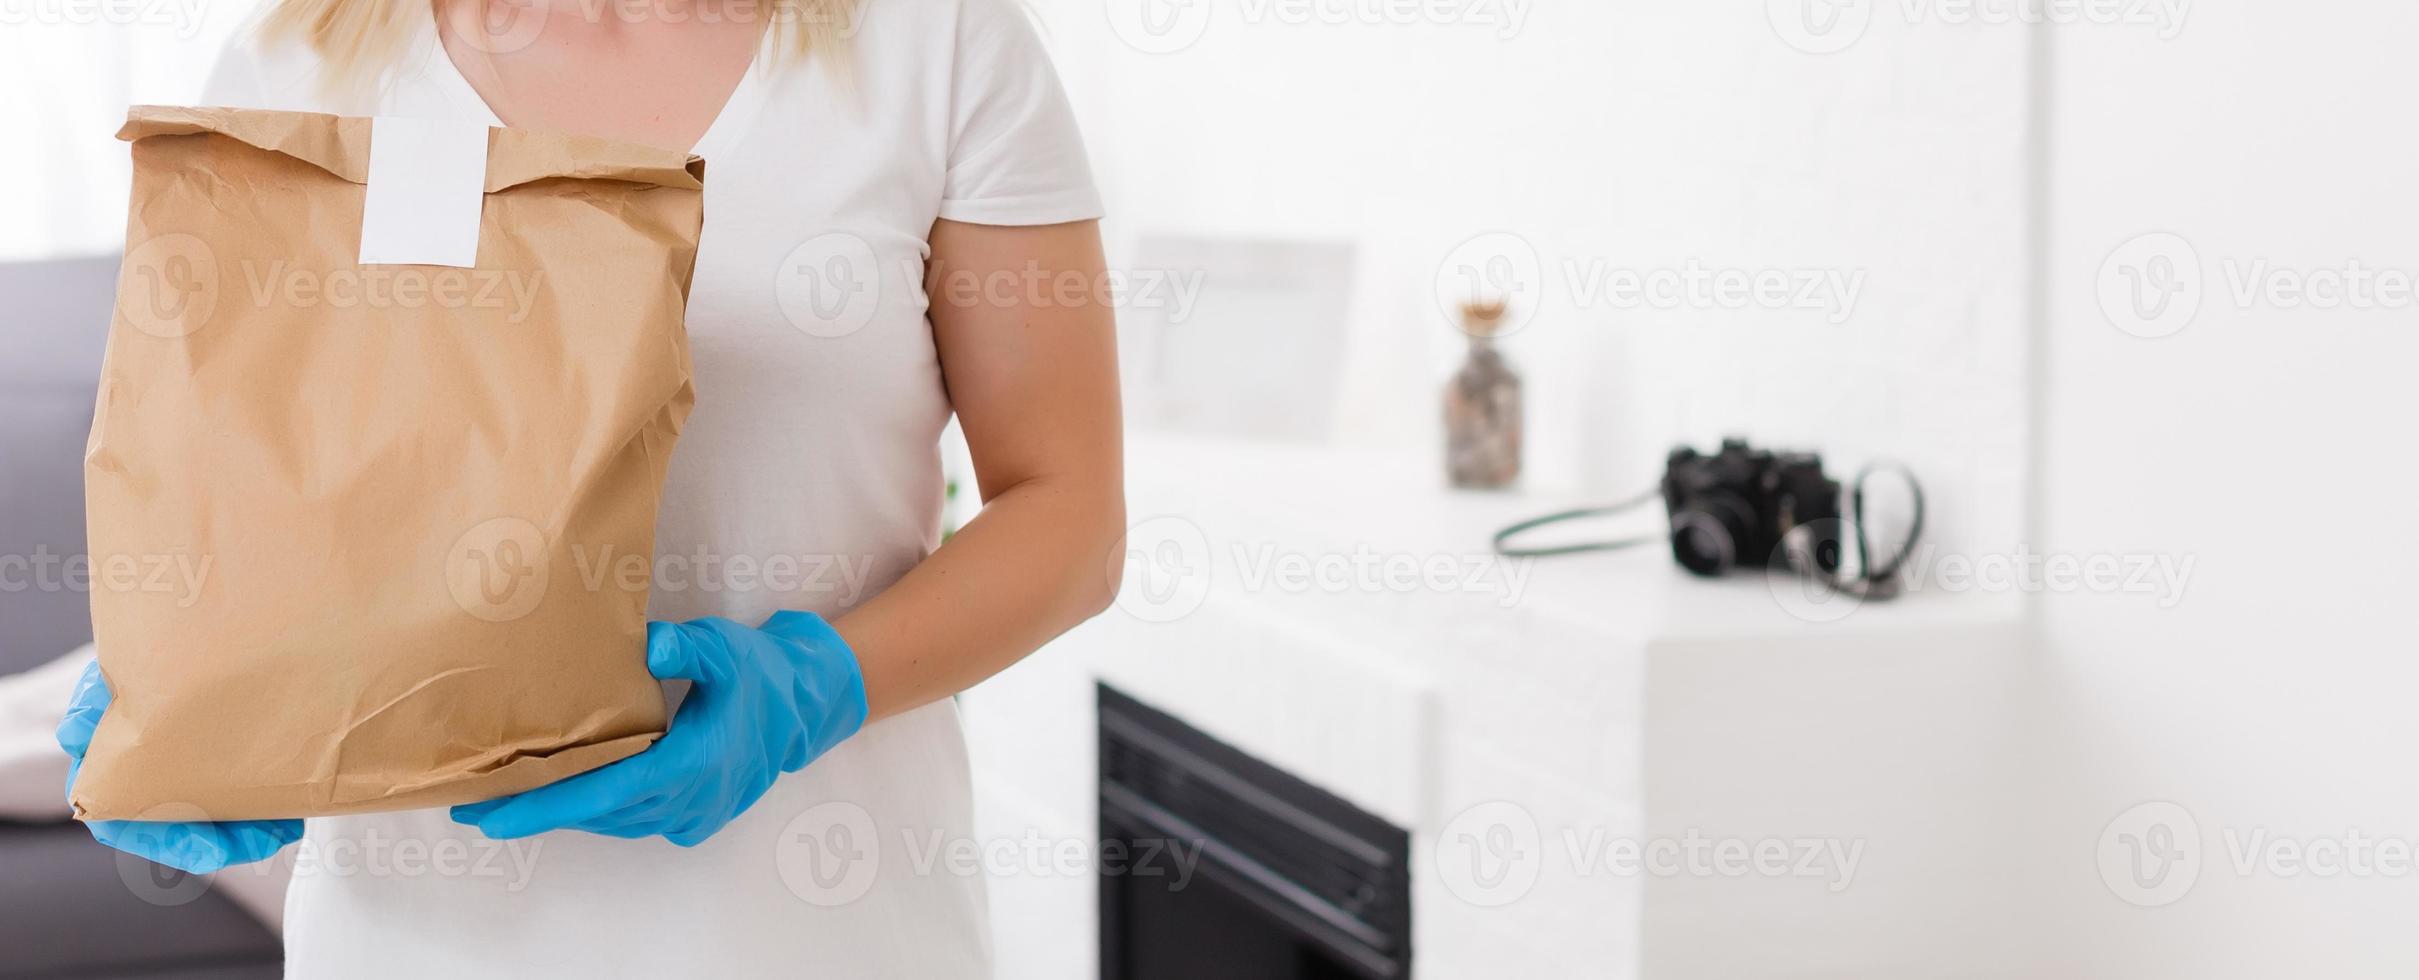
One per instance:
(347, 523)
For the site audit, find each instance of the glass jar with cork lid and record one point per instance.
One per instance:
(1482, 407)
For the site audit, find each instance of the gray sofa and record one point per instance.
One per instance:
(68, 906)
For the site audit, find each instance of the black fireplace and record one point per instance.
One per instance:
(1229, 867)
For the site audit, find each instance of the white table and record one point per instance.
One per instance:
(1611, 700)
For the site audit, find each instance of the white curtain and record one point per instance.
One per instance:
(68, 70)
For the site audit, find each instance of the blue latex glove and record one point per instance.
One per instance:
(763, 702)
(198, 848)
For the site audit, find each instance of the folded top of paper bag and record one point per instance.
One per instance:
(340, 145)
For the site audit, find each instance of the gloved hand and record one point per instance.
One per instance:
(198, 848)
(763, 702)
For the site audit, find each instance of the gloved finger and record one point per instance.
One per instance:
(84, 707)
(645, 817)
(689, 826)
(558, 805)
(188, 847)
(470, 813)
(640, 809)
(639, 829)
(198, 848)
(474, 813)
(746, 801)
(699, 826)
(92, 689)
(260, 840)
(693, 836)
(244, 841)
(672, 651)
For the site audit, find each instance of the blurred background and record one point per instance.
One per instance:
(2127, 284)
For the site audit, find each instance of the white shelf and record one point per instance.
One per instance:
(1610, 694)
(1330, 501)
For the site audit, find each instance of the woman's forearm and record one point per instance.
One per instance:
(1035, 562)
(1032, 375)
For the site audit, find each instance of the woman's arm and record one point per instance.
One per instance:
(1028, 349)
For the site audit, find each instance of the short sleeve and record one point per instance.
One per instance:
(1015, 155)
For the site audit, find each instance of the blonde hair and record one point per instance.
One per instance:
(359, 40)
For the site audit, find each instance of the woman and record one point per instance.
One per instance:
(849, 151)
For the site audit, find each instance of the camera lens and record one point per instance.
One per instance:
(1706, 531)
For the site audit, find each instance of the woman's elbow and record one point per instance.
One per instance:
(1105, 526)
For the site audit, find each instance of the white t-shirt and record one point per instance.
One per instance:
(808, 477)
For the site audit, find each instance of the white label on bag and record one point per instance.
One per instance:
(428, 178)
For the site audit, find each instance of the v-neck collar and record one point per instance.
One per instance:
(731, 122)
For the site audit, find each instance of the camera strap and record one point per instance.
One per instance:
(1870, 582)
(1503, 538)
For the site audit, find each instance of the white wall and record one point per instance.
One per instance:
(1602, 137)
(2272, 444)
(2260, 444)
(68, 69)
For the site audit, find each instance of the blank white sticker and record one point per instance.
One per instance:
(428, 178)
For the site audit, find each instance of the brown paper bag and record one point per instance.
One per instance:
(338, 512)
